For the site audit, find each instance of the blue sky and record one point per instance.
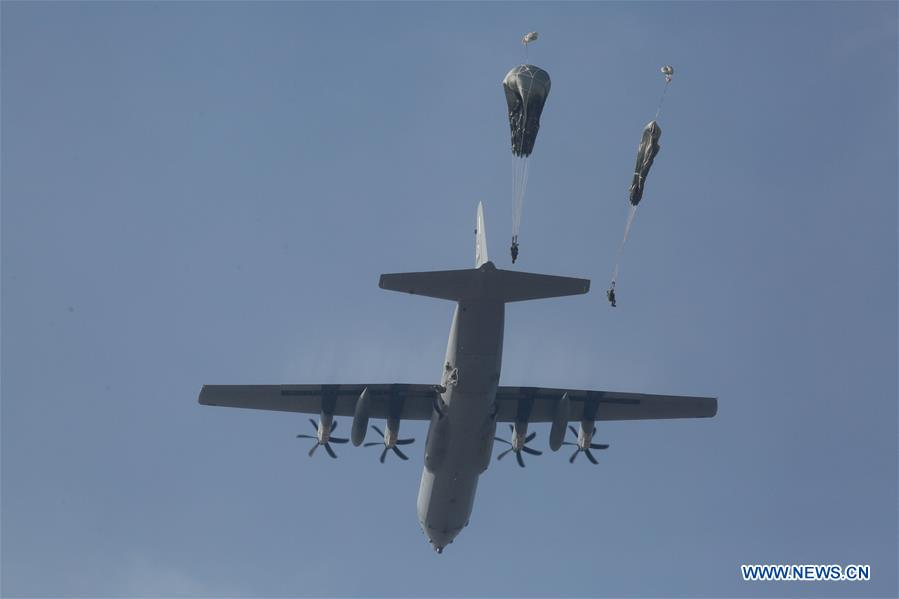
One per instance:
(207, 192)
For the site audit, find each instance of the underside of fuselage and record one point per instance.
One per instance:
(460, 438)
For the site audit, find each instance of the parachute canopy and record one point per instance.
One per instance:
(527, 88)
(646, 153)
(668, 72)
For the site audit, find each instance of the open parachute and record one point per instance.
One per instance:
(526, 87)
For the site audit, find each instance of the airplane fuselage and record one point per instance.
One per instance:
(462, 429)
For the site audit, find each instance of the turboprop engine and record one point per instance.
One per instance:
(390, 439)
(518, 443)
(323, 434)
(584, 441)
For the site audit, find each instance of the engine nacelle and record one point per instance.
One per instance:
(560, 423)
(360, 418)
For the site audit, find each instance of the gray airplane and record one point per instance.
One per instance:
(466, 406)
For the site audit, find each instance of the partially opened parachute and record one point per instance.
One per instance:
(527, 88)
(646, 153)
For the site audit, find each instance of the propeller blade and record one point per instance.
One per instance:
(568, 443)
(306, 437)
(511, 428)
(400, 453)
(590, 456)
(333, 425)
(503, 441)
(599, 446)
(503, 454)
(404, 441)
(314, 447)
(378, 431)
(338, 440)
(531, 451)
(518, 457)
(314, 424)
(330, 451)
(383, 455)
(370, 443)
(573, 432)
(530, 437)
(574, 455)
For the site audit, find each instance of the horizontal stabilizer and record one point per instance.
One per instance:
(521, 286)
(486, 283)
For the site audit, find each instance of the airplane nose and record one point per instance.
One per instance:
(441, 538)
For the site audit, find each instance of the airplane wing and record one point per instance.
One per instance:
(537, 404)
(408, 402)
(415, 402)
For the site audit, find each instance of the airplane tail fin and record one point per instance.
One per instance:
(480, 232)
(485, 282)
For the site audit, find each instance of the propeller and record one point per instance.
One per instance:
(387, 447)
(524, 448)
(326, 444)
(586, 450)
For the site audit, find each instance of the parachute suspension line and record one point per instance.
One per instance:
(519, 197)
(516, 196)
(627, 227)
(524, 182)
(516, 163)
(668, 72)
(521, 166)
(521, 182)
(632, 214)
(662, 99)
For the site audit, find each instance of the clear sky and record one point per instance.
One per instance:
(207, 192)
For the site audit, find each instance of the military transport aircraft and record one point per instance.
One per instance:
(468, 403)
